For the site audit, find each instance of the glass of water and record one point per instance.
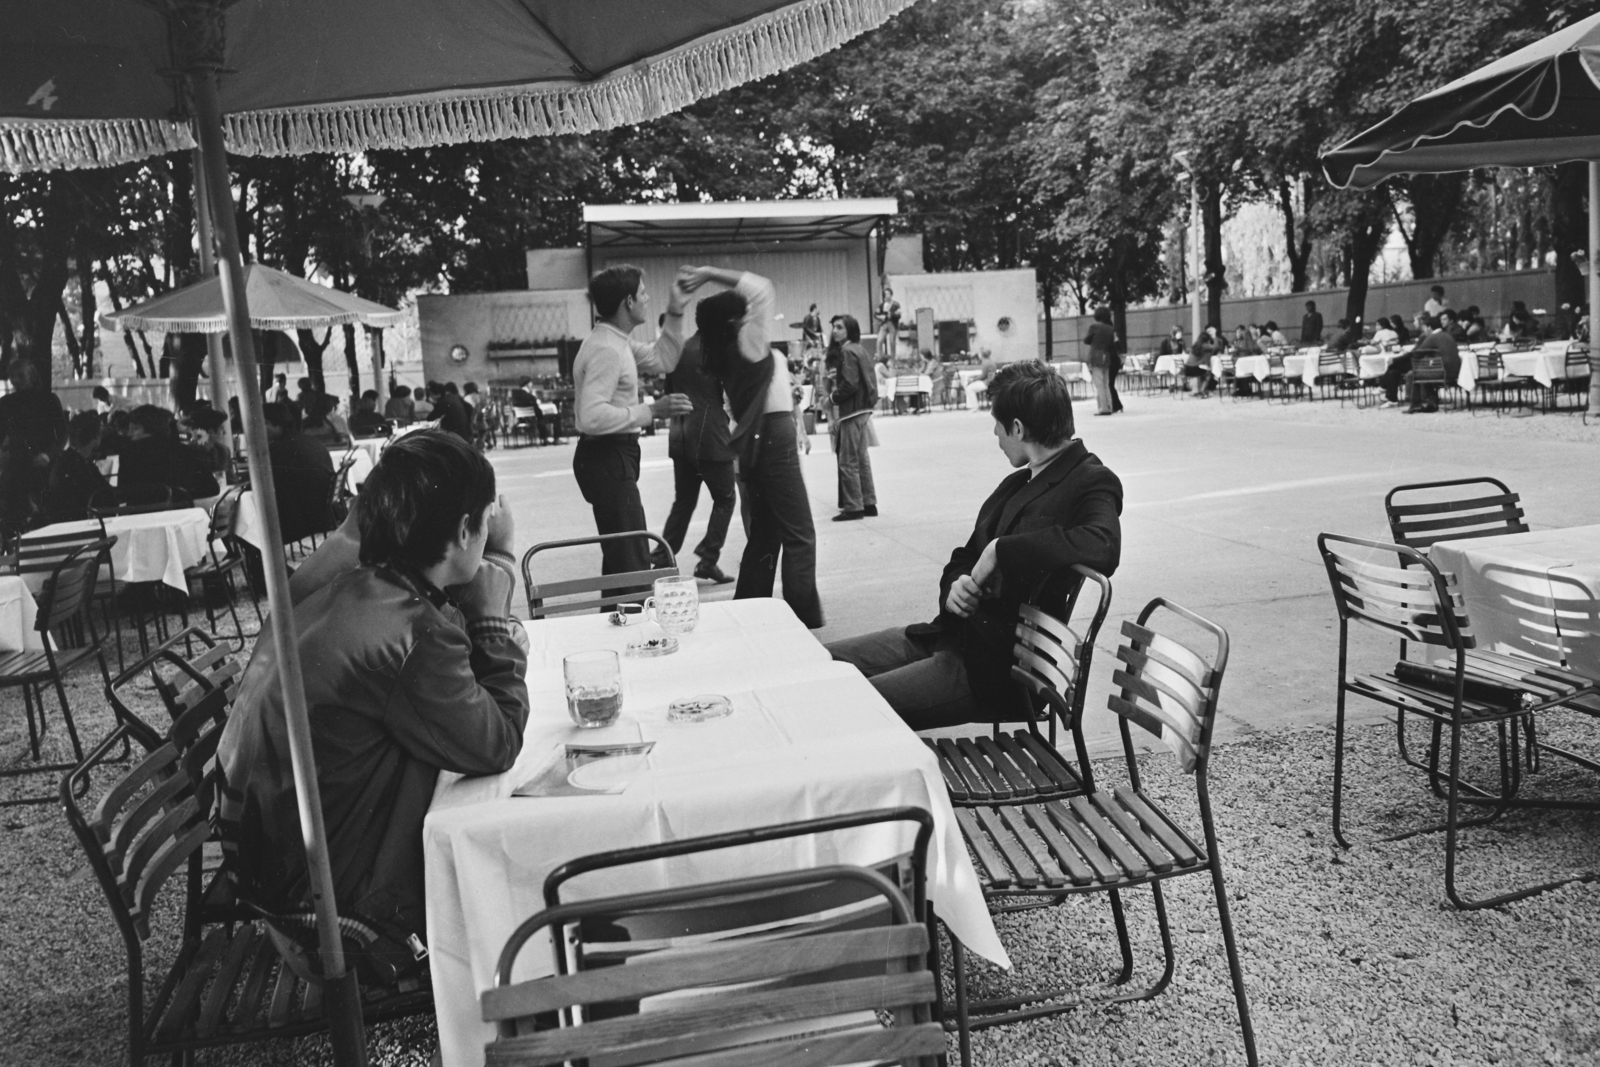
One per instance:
(594, 687)
(676, 604)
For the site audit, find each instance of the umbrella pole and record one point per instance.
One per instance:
(342, 995)
(1594, 285)
(215, 364)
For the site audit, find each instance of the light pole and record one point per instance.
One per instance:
(1182, 159)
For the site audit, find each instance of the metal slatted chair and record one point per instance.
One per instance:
(36, 555)
(761, 975)
(227, 984)
(1463, 688)
(216, 572)
(1227, 380)
(1332, 372)
(182, 678)
(70, 638)
(598, 591)
(1573, 381)
(1422, 517)
(1052, 670)
(1428, 379)
(1111, 839)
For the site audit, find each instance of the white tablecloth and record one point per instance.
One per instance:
(1169, 365)
(1373, 366)
(1073, 370)
(808, 737)
(18, 613)
(154, 546)
(1302, 367)
(1535, 593)
(1543, 365)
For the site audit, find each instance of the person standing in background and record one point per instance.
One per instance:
(608, 413)
(1311, 325)
(854, 397)
(698, 445)
(888, 325)
(1101, 340)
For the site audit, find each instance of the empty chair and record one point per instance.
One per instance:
(595, 591)
(1424, 512)
(1114, 838)
(1397, 590)
(217, 571)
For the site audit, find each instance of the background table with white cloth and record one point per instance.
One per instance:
(1543, 365)
(1535, 593)
(1257, 367)
(1374, 364)
(18, 613)
(152, 546)
(808, 737)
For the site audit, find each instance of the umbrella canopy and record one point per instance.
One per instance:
(1537, 106)
(277, 301)
(92, 80)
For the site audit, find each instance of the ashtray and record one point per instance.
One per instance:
(653, 646)
(702, 708)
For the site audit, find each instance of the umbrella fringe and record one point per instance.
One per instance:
(647, 90)
(157, 324)
(80, 143)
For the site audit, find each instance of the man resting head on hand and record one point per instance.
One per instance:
(412, 665)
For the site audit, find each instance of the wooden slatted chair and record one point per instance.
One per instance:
(597, 591)
(1109, 840)
(227, 984)
(181, 677)
(1052, 670)
(1419, 514)
(816, 995)
(1112, 839)
(70, 638)
(1414, 600)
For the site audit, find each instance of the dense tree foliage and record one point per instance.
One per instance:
(1013, 132)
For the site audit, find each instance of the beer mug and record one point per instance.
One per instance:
(675, 607)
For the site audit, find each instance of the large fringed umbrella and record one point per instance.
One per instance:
(87, 83)
(1538, 106)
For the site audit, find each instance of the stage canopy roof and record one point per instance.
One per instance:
(754, 221)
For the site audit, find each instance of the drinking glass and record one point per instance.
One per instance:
(676, 604)
(594, 687)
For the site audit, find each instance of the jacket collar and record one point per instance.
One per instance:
(1052, 473)
(409, 576)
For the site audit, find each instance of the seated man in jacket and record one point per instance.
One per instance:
(73, 476)
(1060, 508)
(155, 456)
(402, 680)
(302, 474)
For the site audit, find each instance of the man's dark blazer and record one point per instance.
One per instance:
(702, 435)
(1066, 515)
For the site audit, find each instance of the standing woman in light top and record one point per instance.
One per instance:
(735, 338)
(605, 385)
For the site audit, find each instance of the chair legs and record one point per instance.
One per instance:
(33, 708)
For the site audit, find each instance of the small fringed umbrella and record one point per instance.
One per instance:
(277, 301)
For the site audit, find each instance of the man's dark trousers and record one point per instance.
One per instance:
(607, 469)
(687, 476)
(780, 524)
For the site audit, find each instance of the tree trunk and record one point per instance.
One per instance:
(88, 311)
(1117, 297)
(51, 280)
(1049, 321)
(179, 244)
(1368, 227)
(243, 220)
(1216, 272)
(1435, 206)
(311, 349)
(116, 305)
(350, 361)
(13, 298)
(1298, 249)
(1569, 227)
(74, 350)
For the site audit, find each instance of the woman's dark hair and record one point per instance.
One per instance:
(1102, 314)
(718, 318)
(610, 287)
(153, 420)
(412, 503)
(852, 328)
(1036, 395)
(285, 417)
(400, 392)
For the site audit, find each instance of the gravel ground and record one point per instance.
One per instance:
(1351, 957)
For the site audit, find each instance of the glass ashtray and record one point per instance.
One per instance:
(702, 708)
(653, 646)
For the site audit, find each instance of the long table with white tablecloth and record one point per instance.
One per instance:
(152, 546)
(808, 737)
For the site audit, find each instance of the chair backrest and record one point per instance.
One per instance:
(591, 592)
(65, 596)
(1576, 363)
(1275, 364)
(207, 678)
(1330, 362)
(1427, 367)
(1053, 656)
(1166, 687)
(1421, 513)
(1489, 366)
(41, 553)
(816, 996)
(225, 514)
(1414, 600)
(146, 826)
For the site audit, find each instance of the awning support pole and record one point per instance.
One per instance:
(1594, 287)
(341, 993)
(216, 365)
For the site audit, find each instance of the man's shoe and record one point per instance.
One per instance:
(870, 511)
(849, 516)
(1414, 409)
(1390, 404)
(710, 572)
